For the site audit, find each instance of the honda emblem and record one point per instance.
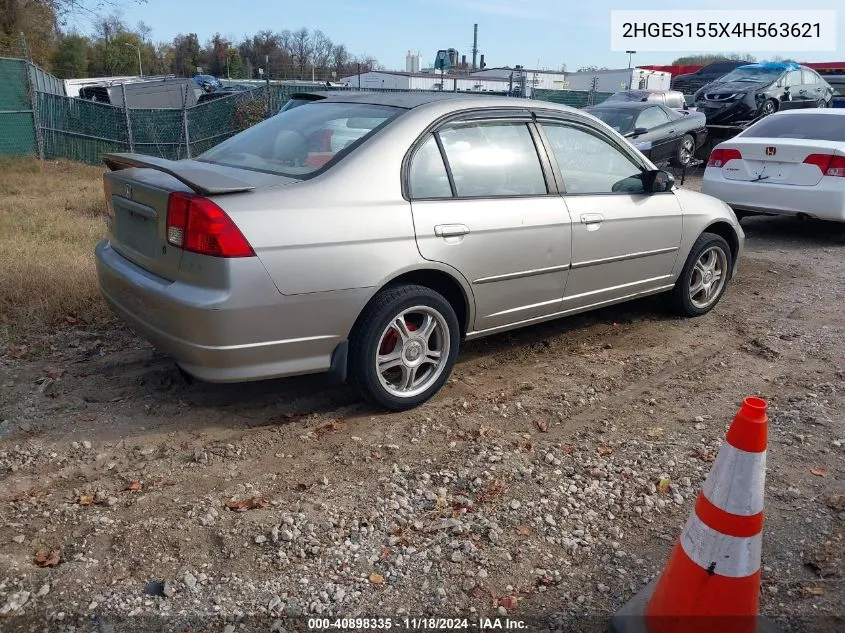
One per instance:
(771, 151)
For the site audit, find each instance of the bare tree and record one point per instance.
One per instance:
(302, 49)
(322, 51)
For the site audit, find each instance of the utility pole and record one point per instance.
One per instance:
(138, 49)
(359, 76)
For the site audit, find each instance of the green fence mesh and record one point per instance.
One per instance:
(17, 131)
(77, 129)
(574, 98)
(157, 132)
(214, 121)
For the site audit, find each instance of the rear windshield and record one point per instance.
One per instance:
(300, 141)
(629, 95)
(719, 67)
(817, 127)
(621, 120)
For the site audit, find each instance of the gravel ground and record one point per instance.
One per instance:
(547, 483)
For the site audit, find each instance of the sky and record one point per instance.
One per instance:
(534, 33)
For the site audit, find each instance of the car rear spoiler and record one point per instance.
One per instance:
(202, 178)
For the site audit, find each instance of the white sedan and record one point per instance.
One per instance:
(789, 163)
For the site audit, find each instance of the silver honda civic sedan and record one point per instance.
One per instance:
(369, 235)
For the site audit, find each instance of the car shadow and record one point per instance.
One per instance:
(315, 394)
(792, 233)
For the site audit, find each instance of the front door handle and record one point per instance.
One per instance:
(592, 218)
(451, 230)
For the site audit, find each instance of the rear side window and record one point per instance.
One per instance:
(302, 140)
(428, 176)
(810, 77)
(494, 158)
(818, 127)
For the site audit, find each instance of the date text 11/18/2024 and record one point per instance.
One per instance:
(416, 624)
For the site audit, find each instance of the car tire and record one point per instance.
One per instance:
(693, 294)
(379, 332)
(684, 152)
(770, 106)
(821, 104)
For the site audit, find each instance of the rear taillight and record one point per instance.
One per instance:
(198, 225)
(719, 157)
(829, 164)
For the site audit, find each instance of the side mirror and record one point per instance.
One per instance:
(640, 130)
(658, 181)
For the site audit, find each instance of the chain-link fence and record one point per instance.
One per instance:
(36, 118)
(17, 122)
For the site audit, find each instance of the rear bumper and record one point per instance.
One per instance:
(824, 201)
(247, 332)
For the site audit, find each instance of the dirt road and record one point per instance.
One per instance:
(529, 487)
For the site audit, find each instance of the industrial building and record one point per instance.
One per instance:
(395, 80)
(503, 78)
(413, 63)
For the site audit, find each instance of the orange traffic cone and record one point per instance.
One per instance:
(712, 579)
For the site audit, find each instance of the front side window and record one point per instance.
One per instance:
(589, 164)
(428, 177)
(300, 141)
(495, 158)
(651, 117)
(793, 78)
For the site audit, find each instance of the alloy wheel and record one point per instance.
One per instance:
(413, 351)
(708, 277)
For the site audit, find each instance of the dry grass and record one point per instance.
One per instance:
(51, 216)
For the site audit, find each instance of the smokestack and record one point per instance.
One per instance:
(475, 45)
(482, 63)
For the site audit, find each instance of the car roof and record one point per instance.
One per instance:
(632, 105)
(782, 66)
(413, 100)
(806, 111)
(406, 100)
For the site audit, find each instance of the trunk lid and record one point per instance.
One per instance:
(137, 193)
(778, 160)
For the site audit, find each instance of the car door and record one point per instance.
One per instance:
(624, 241)
(660, 133)
(814, 88)
(481, 204)
(793, 91)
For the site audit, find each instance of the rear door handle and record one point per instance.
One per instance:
(592, 218)
(451, 230)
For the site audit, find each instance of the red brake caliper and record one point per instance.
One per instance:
(388, 343)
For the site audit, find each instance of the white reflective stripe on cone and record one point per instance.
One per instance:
(736, 481)
(735, 557)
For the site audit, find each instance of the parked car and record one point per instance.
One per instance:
(670, 98)
(660, 132)
(209, 83)
(251, 261)
(758, 90)
(790, 163)
(691, 82)
(301, 98)
(225, 91)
